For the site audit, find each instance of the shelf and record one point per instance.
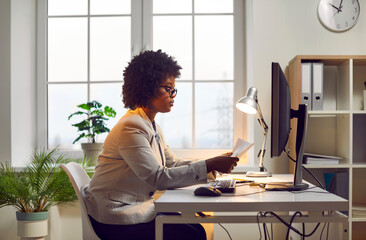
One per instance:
(359, 112)
(358, 219)
(359, 212)
(326, 166)
(326, 113)
(358, 165)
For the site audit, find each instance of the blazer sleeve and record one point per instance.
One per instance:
(135, 149)
(173, 161)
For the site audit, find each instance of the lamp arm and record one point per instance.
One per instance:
(261, 153)
(265, 131)
(261, 120)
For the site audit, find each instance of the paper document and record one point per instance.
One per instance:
(241, 147)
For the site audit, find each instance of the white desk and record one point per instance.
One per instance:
(183, 200)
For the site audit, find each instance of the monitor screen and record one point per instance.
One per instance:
(280, 128)
(281, 111)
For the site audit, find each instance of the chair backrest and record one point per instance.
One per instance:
(78, 178)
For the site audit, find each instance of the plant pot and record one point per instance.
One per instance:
(91, 151)
(32, 225)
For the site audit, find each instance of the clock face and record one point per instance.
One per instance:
(338, 15)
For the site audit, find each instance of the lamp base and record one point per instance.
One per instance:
(258, 174)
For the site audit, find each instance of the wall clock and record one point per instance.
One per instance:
(338, 15)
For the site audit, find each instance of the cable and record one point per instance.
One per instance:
(316, 179)
(265, 231)
(290, 224)
(321, 233)
(292, 228)
(259, 227)
(265, 214)
(327, 231)
(201, 214)
(226, 231)
(265, 228)
(272, 230)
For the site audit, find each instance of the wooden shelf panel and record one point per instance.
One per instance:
(314, 166)
(358, 219)
(358, 165)
(325, 113)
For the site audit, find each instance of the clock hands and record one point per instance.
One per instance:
(340, 6)
(338, 10)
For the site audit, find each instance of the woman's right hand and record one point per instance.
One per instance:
(224, 164)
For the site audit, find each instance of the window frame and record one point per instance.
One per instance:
(141, 15)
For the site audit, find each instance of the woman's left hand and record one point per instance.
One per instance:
(227, 154)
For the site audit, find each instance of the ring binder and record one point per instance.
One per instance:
(306, 97)
(317, 93)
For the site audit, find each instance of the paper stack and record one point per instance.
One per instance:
(310, 158)
(241, 147)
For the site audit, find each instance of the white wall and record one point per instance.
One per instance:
(5, 133)
(23, 80)
(17, 80)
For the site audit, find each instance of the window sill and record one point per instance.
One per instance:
(183, 153)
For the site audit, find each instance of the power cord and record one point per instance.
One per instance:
(288, 225)
(201, 214)
(321, 234)
(225, 230)
(316, 179)
(266, 234)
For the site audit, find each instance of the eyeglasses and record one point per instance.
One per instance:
(172, 91)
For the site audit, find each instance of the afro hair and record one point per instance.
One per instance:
(144, 75)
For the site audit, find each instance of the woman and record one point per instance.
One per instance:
(135, 161)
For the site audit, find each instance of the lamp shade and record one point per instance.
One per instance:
(248, 103)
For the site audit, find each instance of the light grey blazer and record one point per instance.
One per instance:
(130, 169)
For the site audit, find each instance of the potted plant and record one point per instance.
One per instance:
(92, 125)
(33, 190)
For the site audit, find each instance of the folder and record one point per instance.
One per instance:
(317, 84)
(306, 84)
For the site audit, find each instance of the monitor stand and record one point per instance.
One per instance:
(297, 184)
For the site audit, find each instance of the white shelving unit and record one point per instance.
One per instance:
(339, 129)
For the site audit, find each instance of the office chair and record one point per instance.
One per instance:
(78, 177)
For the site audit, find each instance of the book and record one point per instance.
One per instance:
(310, 158)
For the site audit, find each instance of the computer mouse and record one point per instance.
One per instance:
(207, 191)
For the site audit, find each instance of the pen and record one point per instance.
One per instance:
(262, 185)
(238, 180)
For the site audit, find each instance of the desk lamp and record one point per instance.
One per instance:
(249, 104)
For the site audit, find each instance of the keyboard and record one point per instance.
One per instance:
(224, 185)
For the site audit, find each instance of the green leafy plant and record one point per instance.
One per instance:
(37, 187)
(94, 123)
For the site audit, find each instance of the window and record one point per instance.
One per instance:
(89, 43)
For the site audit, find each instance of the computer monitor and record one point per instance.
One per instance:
(281, 114)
